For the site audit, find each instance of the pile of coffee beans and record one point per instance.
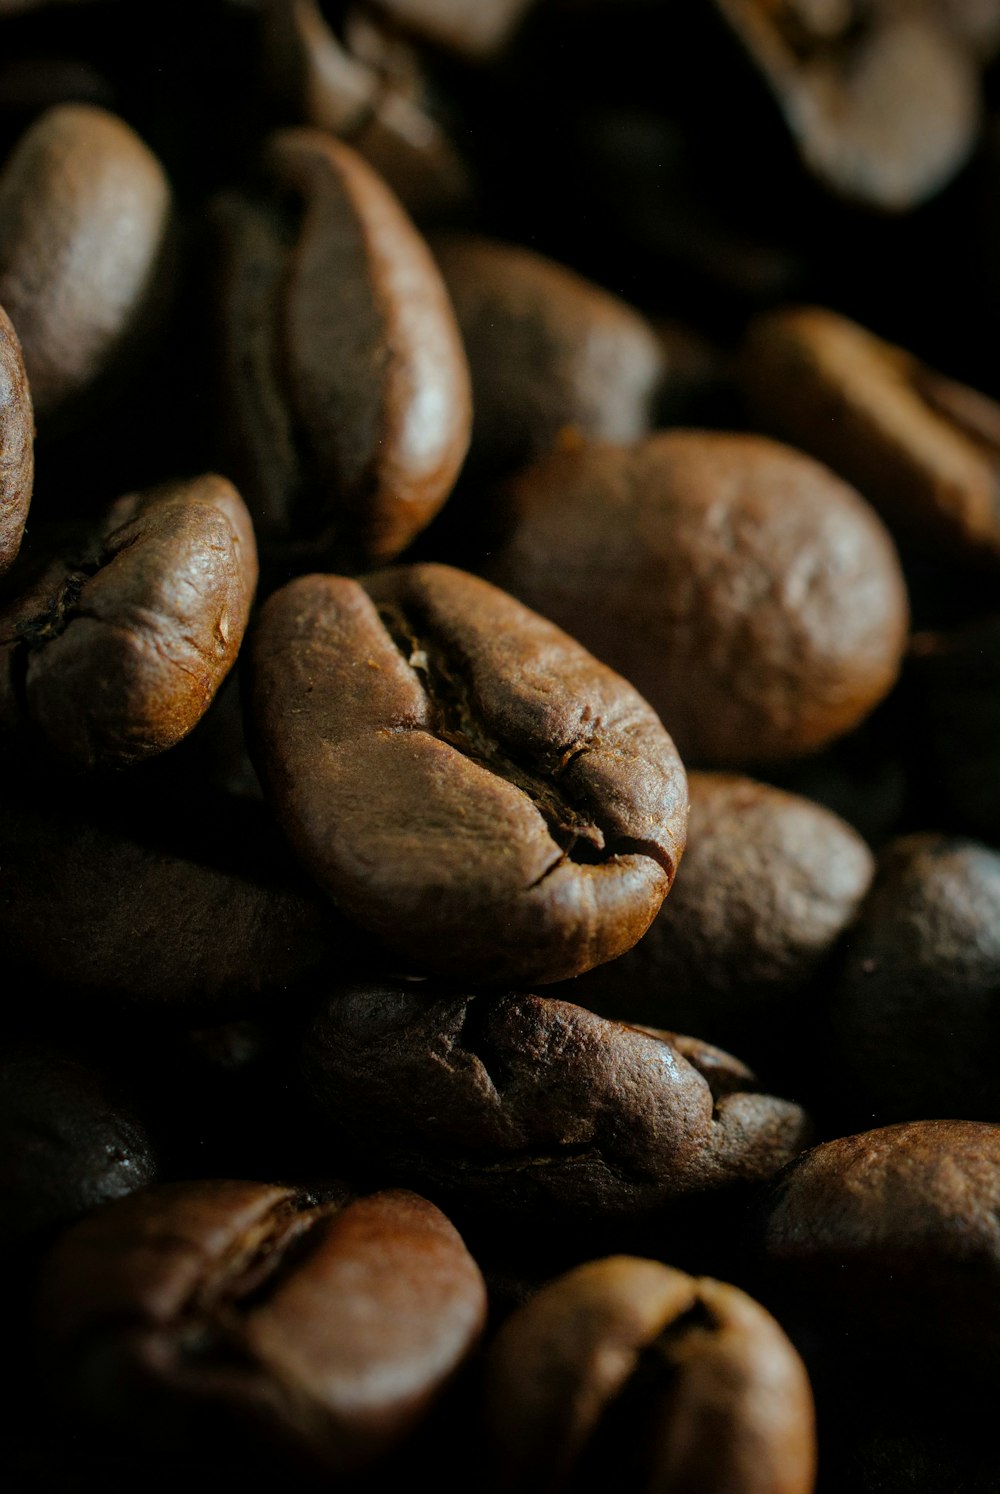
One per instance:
(500, 720)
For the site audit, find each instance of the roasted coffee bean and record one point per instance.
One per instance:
(17, 454)
(768, 884)
(176, 906)
(881, 100)
(461, 777)
(117, 648)
(551, 355)
(340, 88)
(917, 1002)
(84, 214)
(955, 697)
(343, 372)
(68, 1142)
(524, 1105)
(894, 1234)
(628, 1369)
(923, 449)
(235, 1315)
(750, 595)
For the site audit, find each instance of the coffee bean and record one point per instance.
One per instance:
(923, 449)
(893, 1235)
(177, 907)
(916, 1004)
(552, 356)
(625, 1368)
(751, 596)
(344, 376)
(475, 31)
(236, 1315)
(521, 1105)
(358, 95)
(768, 883)
(68, 1142)
(17, 457)
(116, 649)
(462, 778)
(881, 101)
(84, 213)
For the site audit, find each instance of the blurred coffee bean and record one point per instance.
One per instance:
(917, 1003)
(525, 1107)
(893, 1235)
(768, 883)
(881, 100)
(68, 1142)
(84, 214)
(176, 906)
(923, 449)
(240, 1317)
(115, 651)
(627, 1370)
(17, 433)
(955, 697)
(751, 596)
(551, 355)
(461, 777)
(326, 83)
(343, 373)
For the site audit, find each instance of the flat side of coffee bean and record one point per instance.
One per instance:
(17, 452)
(460, 776)
(84, 208)
(883, 107)
(519, 1103)
(67, 1142)
(917, 1002)
(768, 883)
(894, 1234)
(551, 354)
(323, 1327)
(110, 916)
(686, 1383)
(121, 649)
(330, 86)
(751, 596)
(924, 450)
(337, 308)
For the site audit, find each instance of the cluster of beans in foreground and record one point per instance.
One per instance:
(500, 728)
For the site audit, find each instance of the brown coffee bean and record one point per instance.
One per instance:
(955, 704)
(523, 1106)
(881, 102)
(227, 1315)
(116, 650)
(67, 1142)
(335, 86)
(917, 1002)
(17, 453)
(751, 596)
(461, 777)
(551, 354)
(924, 450)
(180, 906)
(894, 1234)
(664, 1381)
(768, 884)
(346, 383)
(84, 212)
